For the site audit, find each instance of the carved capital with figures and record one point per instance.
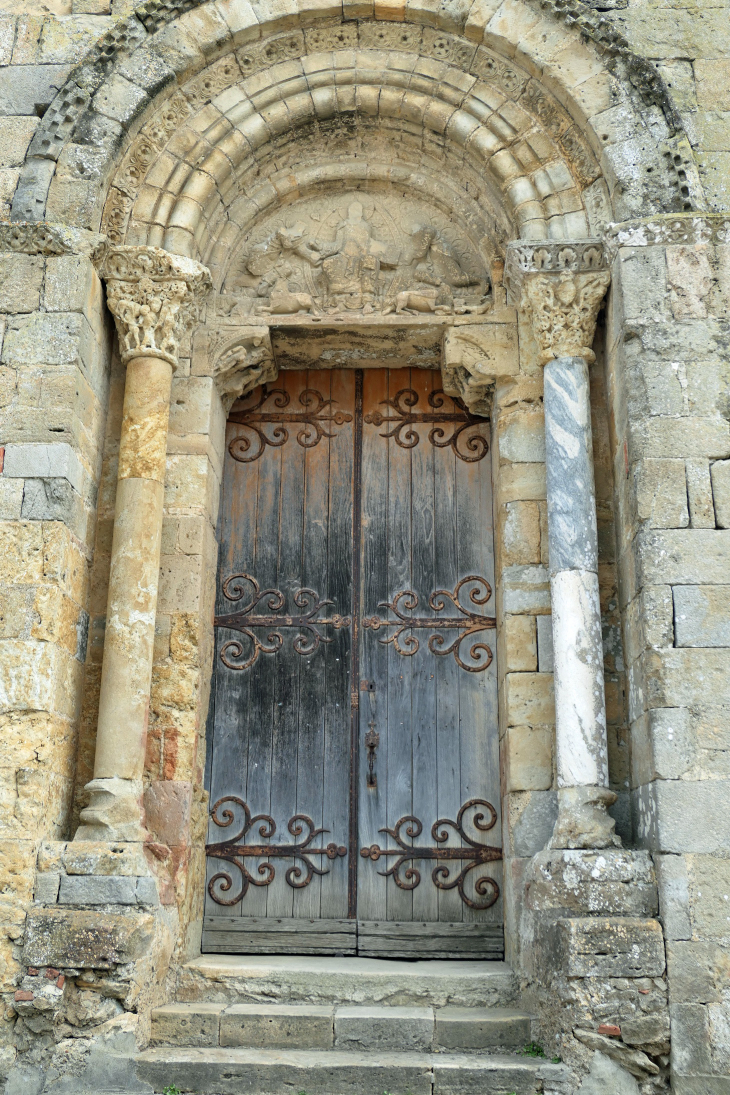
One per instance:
(154, 296)
(559, 287)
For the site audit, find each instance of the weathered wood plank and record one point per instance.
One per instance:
(430, 940)
(373, 653)
(287, 663)
(398, 578)
(270, 935)
(448, 748)
(338, 653)
(424, 794)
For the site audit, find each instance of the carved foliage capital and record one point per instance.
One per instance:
(154, 297)
(241, 362)
(559, 287)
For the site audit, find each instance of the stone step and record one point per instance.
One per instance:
(244, 979)
(237, 1071)
(355, 1027)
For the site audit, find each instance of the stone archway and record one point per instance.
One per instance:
(186, 133)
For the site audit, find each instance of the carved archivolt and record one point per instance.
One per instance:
(154, 297)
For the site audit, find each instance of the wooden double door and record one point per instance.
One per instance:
(353, 746)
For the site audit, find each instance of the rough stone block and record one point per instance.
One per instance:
(615, 947)
(546, 660)
(480, 1028)
(712, 78)
(532, 817)
(278, 1026)
(529, 699)
(699, 494)
(529, 756)
(661, 493)
(702, 615)
(38, 461)
(615, 882)
(690, 1039)
(21, 282)
(681, 557)
(519, 652)
(383, 1028)
(526, 590)
(168, 805)
(24, 87)
(673, 886)
(86, 939)
(92, 858)
(97, 890)
(720, 474)
(519, 524)
(662, 808)
(46, 887)
(521, 437)
(186, 1024)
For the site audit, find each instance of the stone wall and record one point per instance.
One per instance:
(668, 376)
(54, 375)
(662, 455)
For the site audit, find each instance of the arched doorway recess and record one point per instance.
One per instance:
(468, 138)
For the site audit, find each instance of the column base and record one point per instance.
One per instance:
(114, 812)
(583, 819)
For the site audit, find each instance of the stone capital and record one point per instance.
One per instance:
(154, 297)
(559, 287)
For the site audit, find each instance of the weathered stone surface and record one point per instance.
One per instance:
(378, 1028)
(473, 1028)
(187, 1024)
(720, 475)
(65, 938)
(606, 1075)
(612, 881)
(278, 1026)
(612, 947)
(702, 615)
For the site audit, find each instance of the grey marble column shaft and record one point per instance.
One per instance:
(580, 706)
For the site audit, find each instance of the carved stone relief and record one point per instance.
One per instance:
(356, 254)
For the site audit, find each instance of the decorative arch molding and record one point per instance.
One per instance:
(602, 116)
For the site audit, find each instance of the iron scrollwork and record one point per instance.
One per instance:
(475, 853)
(299, 875)
(467, 623)
(244, 621)
(315, 421)
(468, 446)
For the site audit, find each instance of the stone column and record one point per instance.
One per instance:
(560, 287)
(153, 296)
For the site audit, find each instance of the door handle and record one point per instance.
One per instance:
(372, 741)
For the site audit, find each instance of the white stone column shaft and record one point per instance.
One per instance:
(153, 296)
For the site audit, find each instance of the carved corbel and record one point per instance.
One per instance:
(474, 358)
(559, 287)
(240, 363)
(154, 296)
